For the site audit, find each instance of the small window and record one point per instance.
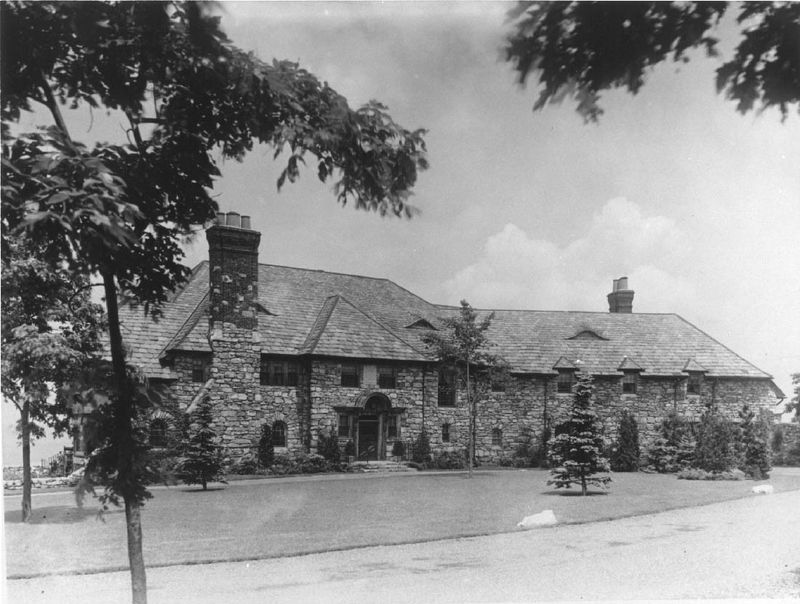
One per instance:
(447, 387)
(391, 429)
(158, 432)
(566, 379)
(445, 433)
(387, 377)
(499, 382)
(198, 370)
(344, 426)
(277, 372)
(694, 383)
(630, 380)
(497, 437)
(351, 376)
(279, 434)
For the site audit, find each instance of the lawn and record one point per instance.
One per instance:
(289, 516)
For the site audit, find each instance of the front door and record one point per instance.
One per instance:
(368, 432)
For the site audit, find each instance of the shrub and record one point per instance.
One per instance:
(246, 464)
(754, 457)
(674, 449)
(714, 451)
(266, 450)
(328, 447)
(698, 474)
(625, 452)
(421, 451)
(399, 448)
(202, 461)
(448, 460)
(350, 449)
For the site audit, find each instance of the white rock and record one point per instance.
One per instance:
(546, 518)
(763, 489)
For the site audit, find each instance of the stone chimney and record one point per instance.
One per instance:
(621, 298)
(233, 269)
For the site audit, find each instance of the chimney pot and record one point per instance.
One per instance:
(233, 219)
(246, 222)
(620, 300)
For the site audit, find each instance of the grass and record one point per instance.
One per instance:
(279, 517)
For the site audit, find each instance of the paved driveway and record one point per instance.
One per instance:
(748, 548)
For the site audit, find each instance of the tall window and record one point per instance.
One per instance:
(278, 372)
(694, 383)
(497, 437)
(499, 382)
(630, 380)
(387, 377)
(198, 369)
(391, 429)
(447, 387)
(566, 379)
(351, 376)
(158, 432)
(344, 425)
(279, 434)
(445, 433)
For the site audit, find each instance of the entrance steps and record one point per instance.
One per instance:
(380, 467)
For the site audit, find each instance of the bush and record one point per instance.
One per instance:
(399, 448)
(447, 460)
(625, 452)
(328, 447)
(350, 449)
(421, 450)
(754, 457)
(202, 460)
(266, 450)
(714, 451)
(303, 464)
(246, 464)
(674, 449)
(698, 474)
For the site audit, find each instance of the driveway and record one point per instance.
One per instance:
(748, 548)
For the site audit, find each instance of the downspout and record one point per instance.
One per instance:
(424, 376)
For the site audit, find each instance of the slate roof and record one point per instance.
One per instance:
(332, 314)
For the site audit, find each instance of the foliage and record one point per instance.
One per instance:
(580, 49)
(350, 449)
(714, 451)
(266, 450)
(247, 464)
(575, 451)
(674, 449)
(754, 455)
(794, 403)
(328, 447)
(202, 457)
(399, 448)
(698, 474)
(421, 449)
(303, 464)
(449, 460)
(626, 452)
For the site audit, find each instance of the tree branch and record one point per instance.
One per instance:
(52, 104)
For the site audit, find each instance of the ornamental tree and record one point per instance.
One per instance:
(576, 450)
(626, 452)
(189, 97)
(580, 49)
(201, 461)
(754, 455)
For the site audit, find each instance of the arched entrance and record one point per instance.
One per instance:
(372, 426)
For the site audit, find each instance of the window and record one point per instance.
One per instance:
(351, 376)
(278, 372)
(279, 434)
(445, 433)
(497, 437)
(566, 379)
(198, 370)
(391, 429)
(387, 377)
(447, 387)
(630, 381)
(499, 382)
(693, 385)
(344, 425)
(158, 432)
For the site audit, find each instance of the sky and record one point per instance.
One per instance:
(696, 204)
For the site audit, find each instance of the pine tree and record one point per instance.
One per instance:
(625, 457)
(202, 460)
(715, 440)
(755, 458)
(266, 450)
(576, 450)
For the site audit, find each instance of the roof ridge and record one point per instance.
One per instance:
(320, 322)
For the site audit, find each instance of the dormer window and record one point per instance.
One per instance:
(566, 380)
(630, 382)
(694, 383)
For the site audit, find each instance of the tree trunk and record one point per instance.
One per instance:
(471, 446)
(25, 427)
(125, 446)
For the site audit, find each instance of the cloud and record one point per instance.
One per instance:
(517, 270)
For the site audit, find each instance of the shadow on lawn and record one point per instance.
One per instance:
(57, 514)
(574, 493)
(201, 490)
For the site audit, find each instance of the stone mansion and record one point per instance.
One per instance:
(311, 352)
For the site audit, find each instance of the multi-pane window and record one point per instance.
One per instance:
(158, 432)
(351, 376)
(279, 434)
(693, 385)
(445, 433)
(344, 425)
(630, 380)
(387, 377)
(278, 372)
(499, 383)
(566, 379)
(497, 437)
(391, 428)
(447, 387)
(198, 369)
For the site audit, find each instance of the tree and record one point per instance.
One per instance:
(753, 441)
(626, 452)
(188, 96)
(266, 450)
(202, 458)
(49, 330)
(462, 343)
(576, 449)
(715, 440)
(794, 403)
(580, 49)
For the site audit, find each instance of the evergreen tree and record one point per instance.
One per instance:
(714, 451)
(421, 452)
(576, 450)
(625, 456)
(266, 451)
(754, 456)
(202, 459)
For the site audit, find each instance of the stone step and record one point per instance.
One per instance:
(381, 466)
